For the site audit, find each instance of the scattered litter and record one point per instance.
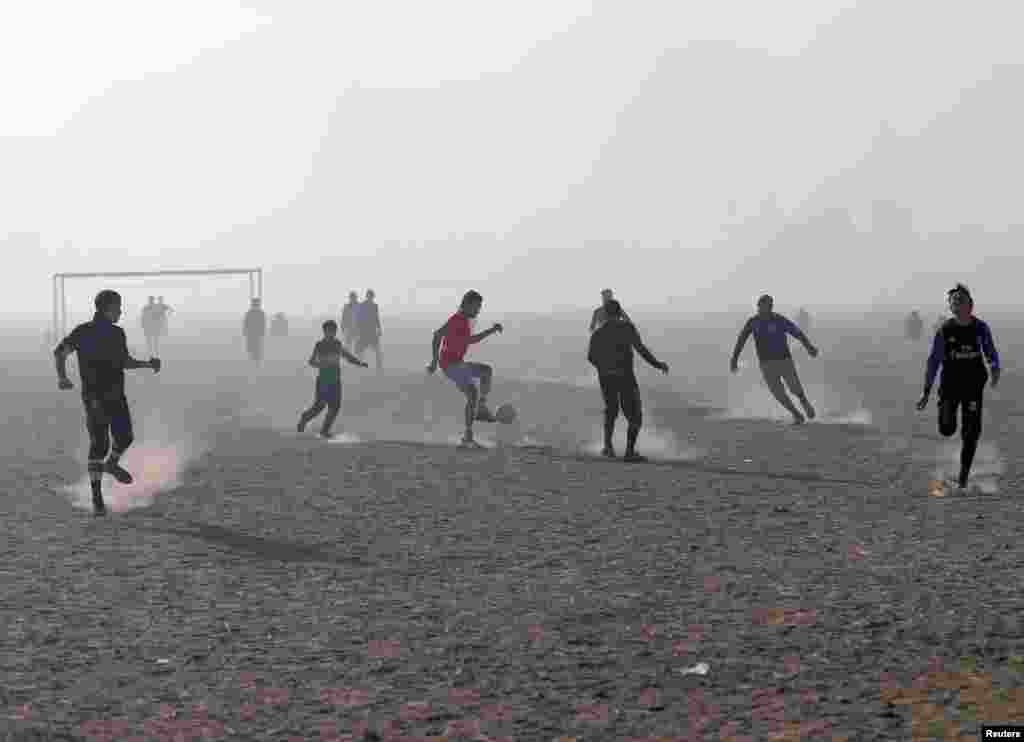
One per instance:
(701, 668)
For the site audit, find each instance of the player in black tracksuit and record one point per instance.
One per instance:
(611, 353)
(102, 359)
(959, 347)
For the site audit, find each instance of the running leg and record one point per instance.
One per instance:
(472, 398)
(312, 412)
(947, 415)
(98, 426)
(333, 407)
(632, 408)
(970, 434)
(485, 373)
(610, 392)
(121, 431)
(793, 382)
(773, 377)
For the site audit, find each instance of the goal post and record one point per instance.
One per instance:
(60, 306)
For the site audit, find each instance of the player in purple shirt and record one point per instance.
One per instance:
(769, 330)
(959, 347)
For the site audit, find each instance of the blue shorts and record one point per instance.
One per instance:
(463, 374)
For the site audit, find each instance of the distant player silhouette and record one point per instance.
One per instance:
(150, 329)
(914, 327)
(770, 330)
(254, 328)
(959, 348)
(349, 332)
(279, 326)
(162, 311)
(368, 327)
(803, 320)
(600, 315)
(611, 353)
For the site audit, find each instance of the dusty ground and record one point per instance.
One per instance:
(290, 588)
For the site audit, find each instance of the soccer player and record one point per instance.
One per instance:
(914, 326)
(254, 327)
(149, 326)
(959, 347)
(348, 321)
(102, 359)
(770, 330)
(327, 355)
(600, 316)
(803, 320)
(611, 353)
(279, 325)
(162, 312)
(368, 326)
(452, 341)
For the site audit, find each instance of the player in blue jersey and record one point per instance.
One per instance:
(769, 330)
(960, 346)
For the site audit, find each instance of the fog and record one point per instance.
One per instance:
(843, 156)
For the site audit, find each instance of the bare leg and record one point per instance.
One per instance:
(472, 400)
(793, 382)
(332, 415)
(311, 413)
(779, 392)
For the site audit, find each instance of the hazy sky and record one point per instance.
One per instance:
(302, 136)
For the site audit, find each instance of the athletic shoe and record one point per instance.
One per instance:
(326, 436)
(634, 457)
(809, 410)
(98, 508)
(120, 474)
(608, 452)
(799, 419)
(471, 444)
(485, 415)
(301, 427)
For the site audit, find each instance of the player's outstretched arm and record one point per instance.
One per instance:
(646, 354)
(314, 359)
(353, 360)
(740, 342)
(932, 369)
(60, 357)
(473, 339)
(988, 347)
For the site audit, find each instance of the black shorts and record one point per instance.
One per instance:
(969, 402)
(107, 418)
(622, 392)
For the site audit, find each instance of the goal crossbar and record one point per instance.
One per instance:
(60, 309)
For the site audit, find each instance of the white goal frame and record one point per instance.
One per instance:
(60, 306)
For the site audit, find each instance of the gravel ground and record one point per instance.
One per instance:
(287, 588)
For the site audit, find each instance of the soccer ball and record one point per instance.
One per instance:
(505, 414)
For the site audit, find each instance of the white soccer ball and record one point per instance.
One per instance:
(505, 414)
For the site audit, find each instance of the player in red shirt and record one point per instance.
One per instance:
(452, 341)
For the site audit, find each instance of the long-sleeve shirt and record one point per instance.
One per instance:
(770, 341)
(958, 350)
(611, 348)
